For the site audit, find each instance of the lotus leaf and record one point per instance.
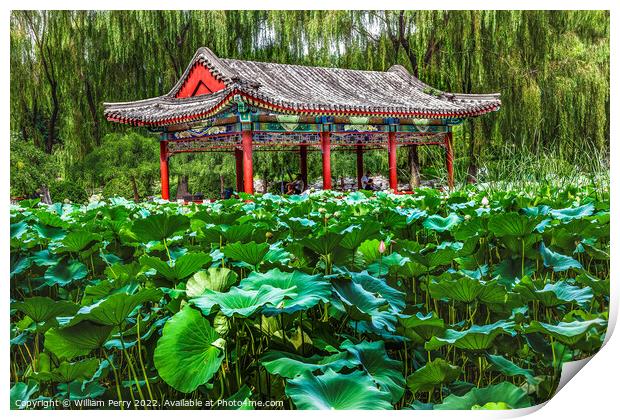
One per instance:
(112, 310)
(557, 261)
(189, 352)
(158, 227)
(461, 289)
(567, 332)
(426, 326)
(385, 371)
(19, 265)
(289, 365)
(216, 279)
(250, 253)
(42, 309)
(241, 302)
(237, 233)
(76, 241)
(78, 390)
(442, 224)
(18, 229)
(511, 224)
(323, 244)
(68, 372)
(354, 237)
(62, 274)
(508, 368)
(434, 373)
(337, 391)
(504, 394)
(572, 213)
(76, 340)
(305, 290)
(553, 294)
(364, 304)
(477, 337)
(183, 267)
(21, 393)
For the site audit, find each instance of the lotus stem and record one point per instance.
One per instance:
(522, 257)
(146, 379)
(167, 251)
(132, 370)
(116, 379)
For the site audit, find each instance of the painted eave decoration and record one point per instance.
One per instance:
(211, 85)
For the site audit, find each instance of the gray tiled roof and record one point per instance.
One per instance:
(293, 89)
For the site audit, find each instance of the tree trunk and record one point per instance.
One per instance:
(222, 186)
(134, 186)
(47, 61)
(414, 166)
(92, 106)
(51, 134)
(45, 195)
(404, 41)
(182, 187)
(472, 173)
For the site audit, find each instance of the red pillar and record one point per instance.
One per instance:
(163, 167)
(239, 168)
(360, 165)
(449, 159)
(303, 165)
(248, 170)
(392, 160)
(326, 153)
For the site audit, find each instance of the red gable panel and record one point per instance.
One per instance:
(200, 81)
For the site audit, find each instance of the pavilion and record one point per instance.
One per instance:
(237, 106)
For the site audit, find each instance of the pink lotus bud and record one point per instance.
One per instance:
(381, 247)
(485, 201)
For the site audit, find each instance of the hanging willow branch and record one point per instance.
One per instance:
(551, 67)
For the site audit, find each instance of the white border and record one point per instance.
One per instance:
(593, 393)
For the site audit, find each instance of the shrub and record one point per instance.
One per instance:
(31, 168)
(67, 190)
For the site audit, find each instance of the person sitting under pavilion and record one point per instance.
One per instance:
(370, 185)
(295, 187)
(365, 179)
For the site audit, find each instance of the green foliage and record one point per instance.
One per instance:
(41, 309)
(475, 302)
(31, 168)
(159, 227)
(337, 391)
(434, 373)
(67, 190)
(551, 67)
(290, 365)
(21, 393)
(79, 340)
(217, 279)
(188, 353)
(126, 164)
(502, 396)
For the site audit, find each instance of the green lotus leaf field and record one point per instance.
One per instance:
(465, 300)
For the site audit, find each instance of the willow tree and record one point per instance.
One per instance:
(551, 67)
